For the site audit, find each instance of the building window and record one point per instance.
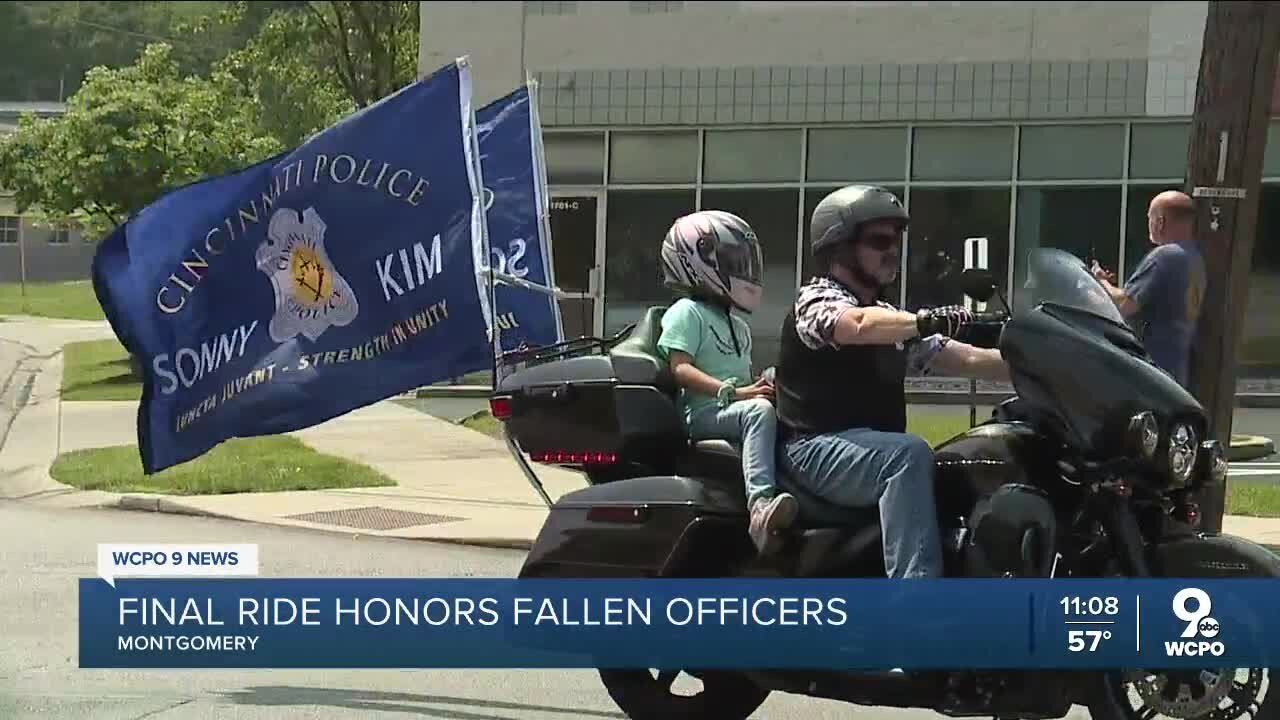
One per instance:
(653, 157)
(962, 153)
(1071, 152)
(574, 158)
(10, 229)
(59, 236)
(773, 215)
(1084, 221)
(636, 221)
(846, 155)
(1159, 150)
(741, 156)
(941, 220)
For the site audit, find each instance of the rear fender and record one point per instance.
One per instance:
(650, 526)
(1208, 555)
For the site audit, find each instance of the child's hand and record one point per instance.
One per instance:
(760, 388)
(1102, 273)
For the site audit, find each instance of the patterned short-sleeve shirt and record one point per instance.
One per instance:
(823, 300)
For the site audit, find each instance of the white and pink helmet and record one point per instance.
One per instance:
(714, 255)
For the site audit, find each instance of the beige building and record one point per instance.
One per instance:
(1028, 123)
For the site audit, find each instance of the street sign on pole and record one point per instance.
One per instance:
(975, 256)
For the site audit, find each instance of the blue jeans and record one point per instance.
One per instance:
(860, 467)
(752, 425)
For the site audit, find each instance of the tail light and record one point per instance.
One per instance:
(500, 407)
(562, 457)
(1191, 514)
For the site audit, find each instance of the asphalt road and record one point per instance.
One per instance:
(44, 552)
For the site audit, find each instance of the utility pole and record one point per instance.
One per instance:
(1224, 176)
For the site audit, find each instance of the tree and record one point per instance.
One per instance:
(128, 136)
(1228, 138)
(312, 63)
(51, 45)
(373, 46)
(294, 90)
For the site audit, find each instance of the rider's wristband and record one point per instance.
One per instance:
(726, 394)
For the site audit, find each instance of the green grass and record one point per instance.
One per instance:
(1253, 498)
(276, 463)
(938, 427)
(69, 300)
(485, 423)
(98, 370)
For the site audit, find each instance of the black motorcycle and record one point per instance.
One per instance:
(1091, 470)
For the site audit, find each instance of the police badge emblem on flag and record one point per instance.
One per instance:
(310, 293)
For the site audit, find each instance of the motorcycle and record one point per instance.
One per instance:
(1091, 469)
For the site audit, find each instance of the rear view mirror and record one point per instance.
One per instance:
(978, 284)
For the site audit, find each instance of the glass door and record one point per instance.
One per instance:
(577, 233)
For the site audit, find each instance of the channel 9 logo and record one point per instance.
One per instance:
(1192, 606)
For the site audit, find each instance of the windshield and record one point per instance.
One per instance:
(1058, 277)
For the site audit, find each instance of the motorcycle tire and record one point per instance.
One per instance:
(1113, 692)
(1110, 699)
(642, 696)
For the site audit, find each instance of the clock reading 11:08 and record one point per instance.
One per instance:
(1090, 606)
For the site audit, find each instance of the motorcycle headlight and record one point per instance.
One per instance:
(1144, 434)
(1182, 453)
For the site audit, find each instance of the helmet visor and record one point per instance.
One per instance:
(740, 259)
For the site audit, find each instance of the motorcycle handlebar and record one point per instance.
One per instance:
(989, 317)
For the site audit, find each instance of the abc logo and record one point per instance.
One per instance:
(1192, 606)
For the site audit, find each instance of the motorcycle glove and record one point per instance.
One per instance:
(945, 321)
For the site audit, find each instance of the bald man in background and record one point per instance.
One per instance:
(1163, 296)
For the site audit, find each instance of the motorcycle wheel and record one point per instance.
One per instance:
(1205, 694)
(644, 695)
(1217, 694)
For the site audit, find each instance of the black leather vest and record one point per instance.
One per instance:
(830, 390)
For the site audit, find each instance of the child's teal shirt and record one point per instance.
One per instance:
(702, 330)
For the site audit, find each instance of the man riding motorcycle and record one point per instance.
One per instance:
(840, 377)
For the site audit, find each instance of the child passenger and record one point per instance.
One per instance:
(713, 259)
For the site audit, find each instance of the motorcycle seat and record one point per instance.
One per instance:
(636, 360)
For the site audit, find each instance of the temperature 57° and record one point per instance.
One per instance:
(1078, 640)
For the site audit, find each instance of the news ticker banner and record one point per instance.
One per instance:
(157, 607)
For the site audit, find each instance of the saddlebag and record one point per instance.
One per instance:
(654, 526)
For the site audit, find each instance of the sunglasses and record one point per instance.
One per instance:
(881, 241)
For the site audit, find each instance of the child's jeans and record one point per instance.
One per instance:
(752, 426)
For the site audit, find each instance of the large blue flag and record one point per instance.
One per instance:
(510, 138)
(321, 280)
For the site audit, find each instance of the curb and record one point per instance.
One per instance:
(455, 391)
(1249, 447)
(147, 503)
(473, 416)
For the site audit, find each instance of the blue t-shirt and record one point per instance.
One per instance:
(1168, 287)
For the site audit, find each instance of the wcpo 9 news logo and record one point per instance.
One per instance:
(1192, 606)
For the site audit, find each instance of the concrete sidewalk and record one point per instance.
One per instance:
(452, 484)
